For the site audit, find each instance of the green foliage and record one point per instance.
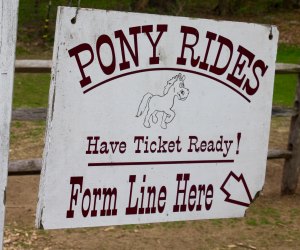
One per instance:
(36, 24)
(33, 29)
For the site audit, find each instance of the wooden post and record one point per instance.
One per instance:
(291, 168)
(8, 32)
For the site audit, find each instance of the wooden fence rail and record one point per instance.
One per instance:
(33, 66)
(44, 66)
(34, 166)
(291, 169)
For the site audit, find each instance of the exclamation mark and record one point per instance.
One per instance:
(238, 142)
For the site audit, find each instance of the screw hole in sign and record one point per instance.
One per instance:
(271, 34)
(73, 20)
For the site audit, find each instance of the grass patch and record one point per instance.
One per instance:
(27, 130)
(285, 85)
(263, 216)
(251, 222)
(284, 90)
(270, 212)
(265, 221)
(26, 139)
(136, 227)
(217, 222)
(129, 227)
(295, 213)
(24, 128)
(174, 224)
(288, 54)
(31, 90)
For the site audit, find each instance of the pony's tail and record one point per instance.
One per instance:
(144, 104)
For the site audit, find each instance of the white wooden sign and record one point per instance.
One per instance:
(8, 31)
(155, 118)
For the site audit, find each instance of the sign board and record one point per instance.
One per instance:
(155, 118)
(8, 31)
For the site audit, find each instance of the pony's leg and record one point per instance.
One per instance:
(147, 118)
(163, 123)
(154, 117)
(170, 116)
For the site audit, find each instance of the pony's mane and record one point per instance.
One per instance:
(171, 82)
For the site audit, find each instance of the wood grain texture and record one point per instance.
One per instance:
(34, 114)
(25, 167)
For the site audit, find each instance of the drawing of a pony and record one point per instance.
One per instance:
(153, 104)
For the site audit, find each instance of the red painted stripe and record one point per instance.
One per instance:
(100, 164)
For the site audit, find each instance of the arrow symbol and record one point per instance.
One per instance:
(232, 187)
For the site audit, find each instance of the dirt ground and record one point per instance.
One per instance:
(272, 221)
